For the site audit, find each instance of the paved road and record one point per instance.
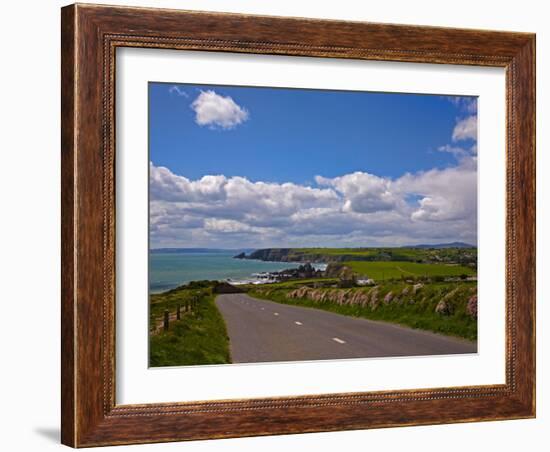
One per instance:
(262, 331)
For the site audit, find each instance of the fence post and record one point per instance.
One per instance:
(166, 319)
(178, 312)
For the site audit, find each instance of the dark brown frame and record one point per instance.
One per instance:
(90, 35)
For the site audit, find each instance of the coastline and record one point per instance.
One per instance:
(168, 271)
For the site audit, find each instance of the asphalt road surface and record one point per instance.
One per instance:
(264, 331)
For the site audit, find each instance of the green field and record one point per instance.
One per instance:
(382, 270)
(446, 255)
(200, 337)
(466, 256)
(340, 251)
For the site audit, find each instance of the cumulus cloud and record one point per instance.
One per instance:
(167, 186)
(445, 195)
(363, 192)
(214, 110)
(351, 210)
(466, 129)
(228, 226)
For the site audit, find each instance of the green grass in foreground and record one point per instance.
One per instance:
(412, 310)
(198, 338)
(395, 269)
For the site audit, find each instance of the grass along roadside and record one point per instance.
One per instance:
(438, 307)
(200, 337)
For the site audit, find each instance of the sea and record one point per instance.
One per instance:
(170, 270)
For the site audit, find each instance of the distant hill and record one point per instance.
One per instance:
(442, 245)
(456, 252)
(198, 250)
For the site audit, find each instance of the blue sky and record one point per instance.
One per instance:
(294, 134)
(376, 154)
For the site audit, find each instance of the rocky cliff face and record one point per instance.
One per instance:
(336, 270)
(271, 254)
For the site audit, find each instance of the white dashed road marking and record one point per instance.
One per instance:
(275, 313)
(298, 323)
(340, 341)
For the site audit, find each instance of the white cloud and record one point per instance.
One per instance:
(467, 104)
(351, 210)
(178, 91)
(214, 110)
(457, 151)
(466, 129)
(167, 186)
(228, 226)
(446, 195)
(363, 192)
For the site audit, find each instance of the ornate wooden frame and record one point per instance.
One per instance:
(90, 35)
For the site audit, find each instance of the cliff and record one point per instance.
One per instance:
(463, 256)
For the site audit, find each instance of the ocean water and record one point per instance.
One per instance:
(169, 270)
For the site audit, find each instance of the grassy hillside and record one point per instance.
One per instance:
(199, 337)
(465, 256)
(446, 308)
(397, 269)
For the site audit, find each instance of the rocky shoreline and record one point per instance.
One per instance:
(305, 271)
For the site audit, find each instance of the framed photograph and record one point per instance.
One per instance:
(281, 225)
